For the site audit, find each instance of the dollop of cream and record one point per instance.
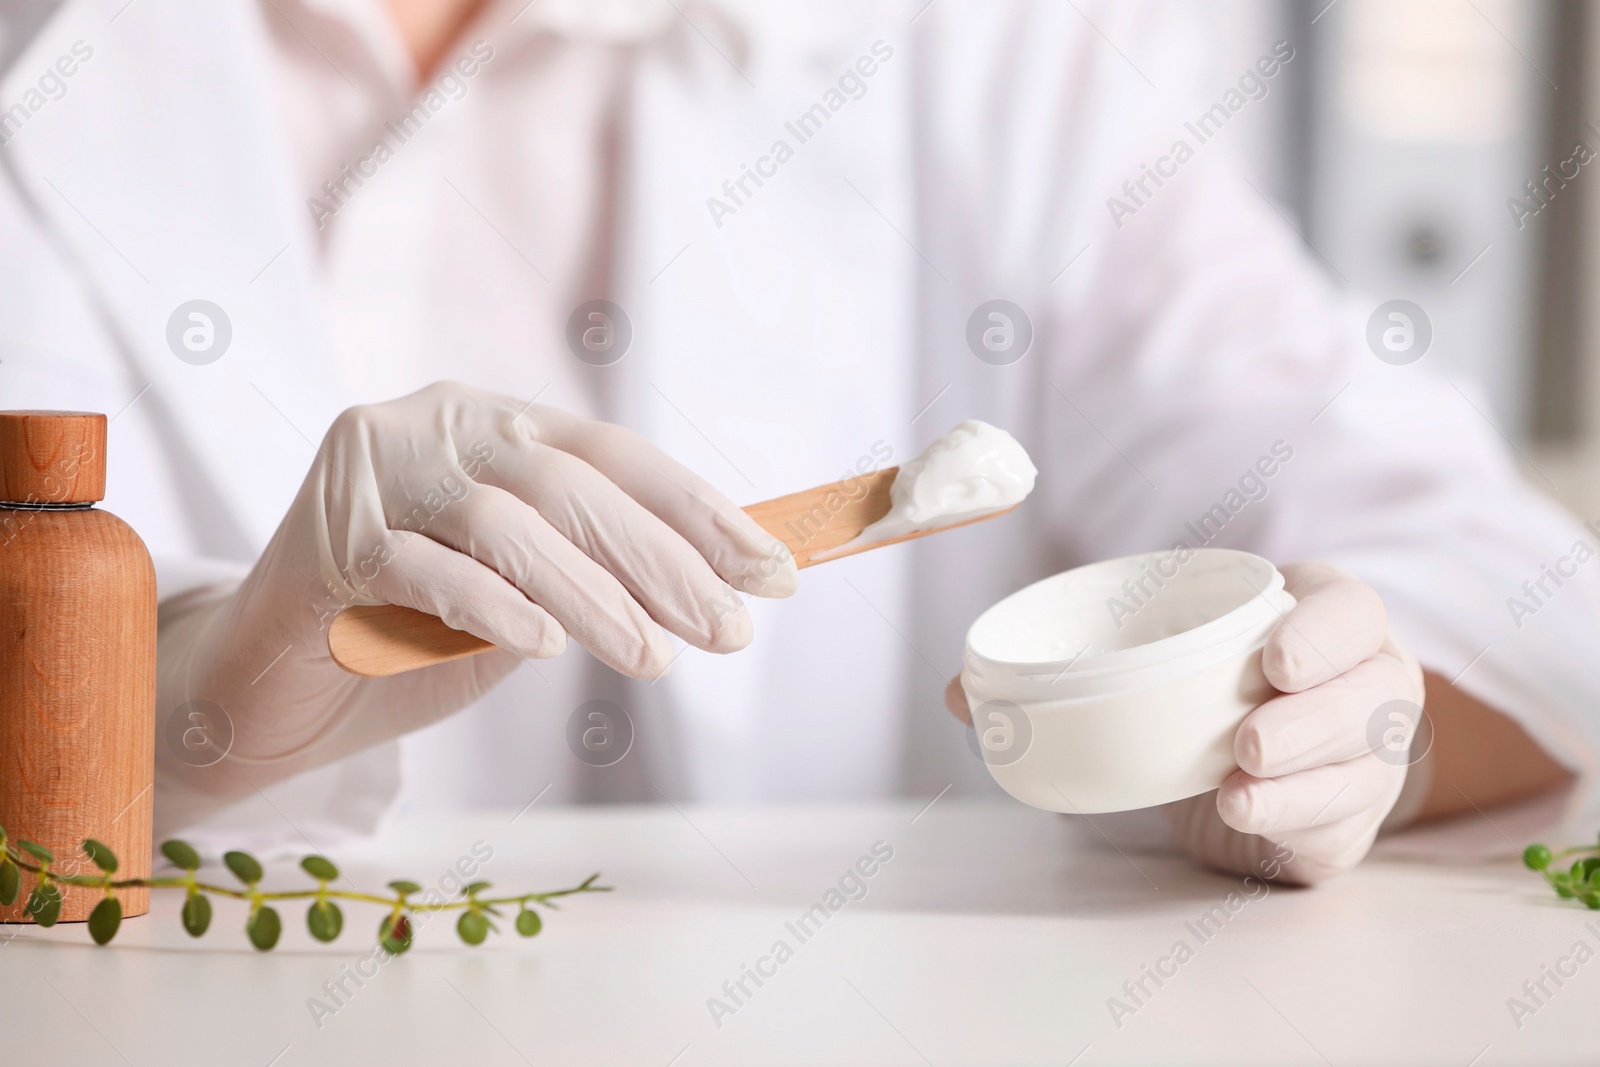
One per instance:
(974, 470)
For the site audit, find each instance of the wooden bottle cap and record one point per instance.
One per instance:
(52, 457)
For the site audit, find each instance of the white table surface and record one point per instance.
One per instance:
(994, 936)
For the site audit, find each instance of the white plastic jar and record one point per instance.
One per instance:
(1120, 685)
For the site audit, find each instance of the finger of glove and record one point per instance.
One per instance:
(425, 575)
(1309, 798)
(660, 569)
(1336, 623)
(737, 548)
(515, 541)
(955, 700)
(1200, 831)
(1330, 848)
(1328, 724)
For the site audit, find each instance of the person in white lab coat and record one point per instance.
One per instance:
(228, 223)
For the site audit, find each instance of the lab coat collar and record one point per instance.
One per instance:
(618, 21)
(371, 24)
(602, 21)
(606, 21)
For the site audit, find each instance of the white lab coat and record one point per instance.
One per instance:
(774, 348)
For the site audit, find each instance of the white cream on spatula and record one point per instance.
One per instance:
(972, 471)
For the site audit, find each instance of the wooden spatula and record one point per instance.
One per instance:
(387, 639)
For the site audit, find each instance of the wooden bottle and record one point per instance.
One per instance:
(77, 658)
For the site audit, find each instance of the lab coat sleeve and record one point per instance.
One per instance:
(1212, 385)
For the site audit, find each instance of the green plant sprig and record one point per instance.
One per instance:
(1580, 882)
(264, 925)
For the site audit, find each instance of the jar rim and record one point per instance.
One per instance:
(1264, 602)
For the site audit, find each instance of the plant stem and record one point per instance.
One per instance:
(1575, 851)
(99, 882)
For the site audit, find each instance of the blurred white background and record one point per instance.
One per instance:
(1403, 149)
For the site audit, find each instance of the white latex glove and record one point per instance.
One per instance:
(519, 524)
(1310, 779)
(1311, 791)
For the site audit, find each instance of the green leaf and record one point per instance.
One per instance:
(403, 886)
(264, 927)
(1592, 900)
(181, 855)
(1563, 885)
(197, 914)
(472, 927)
(10, 882)
(244, 866)
(1536, 857)
(475, 887)
(320, 867)
(104, 920)
(102, 856)
(44, 904)
(395, 933)
(528, 922)
(37, 851)
(325, 920)
(1591, 865)
(2, 836)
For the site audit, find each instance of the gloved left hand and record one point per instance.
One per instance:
(1311, 790)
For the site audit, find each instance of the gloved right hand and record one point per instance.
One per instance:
(520, 524)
